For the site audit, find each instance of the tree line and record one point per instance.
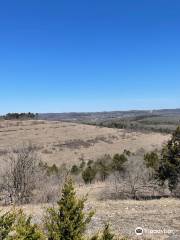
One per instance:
(20, 116)
(101, 168)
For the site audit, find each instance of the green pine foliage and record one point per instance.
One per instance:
(68, 221)
(6, 222)
(75, 170)
(118, 162)
(169, 169)
(103, 166)
(89, 174)
(127, 153)
(53, 170)
(15, 226)
(151, 160)
(24, 229)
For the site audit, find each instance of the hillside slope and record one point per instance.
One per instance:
(60, 142)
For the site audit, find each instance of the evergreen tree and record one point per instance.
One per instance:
(169, 168)
(23, 229)
(90, 162)
(151, 160)
(127, 152)
(103, 166)
(15, 226)
(75, 170)
(89, 174)
(68, 221)
(118, 161)
(52, 170)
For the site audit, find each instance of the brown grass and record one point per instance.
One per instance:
(60, 142)
(67, 142)
(124, 215)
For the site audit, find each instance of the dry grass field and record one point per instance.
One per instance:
(60, 142)
(125, 215)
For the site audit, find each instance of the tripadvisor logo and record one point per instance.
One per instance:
(139, 231)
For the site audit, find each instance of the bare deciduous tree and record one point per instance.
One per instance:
(134, 177)
(20, 174)
(137, 176)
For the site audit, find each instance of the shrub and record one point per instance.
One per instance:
(90, 163)
(15, 226)
(24, 229)
(75, 170)
(68, 221)
(127, 152)
(118, 161)
(103, 166)
(53, 170)
(89, 174)
(151, 160)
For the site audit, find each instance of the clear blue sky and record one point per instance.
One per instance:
(89, 55)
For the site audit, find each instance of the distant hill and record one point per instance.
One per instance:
(94, 116)
(163, 120)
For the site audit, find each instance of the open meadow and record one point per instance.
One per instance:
(67, 143)
(64, 142)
